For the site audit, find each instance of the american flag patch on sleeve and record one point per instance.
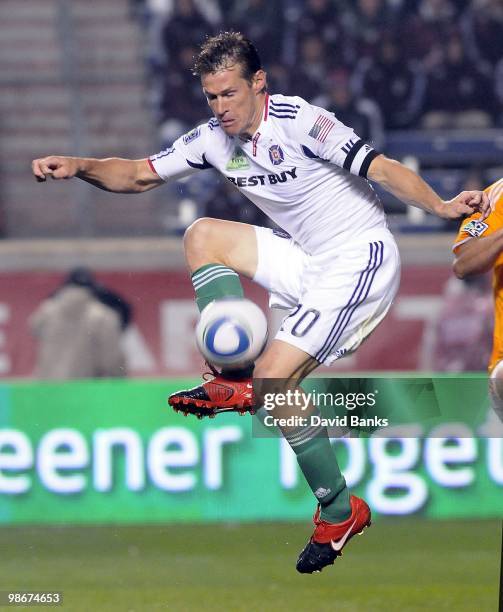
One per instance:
(322, 127)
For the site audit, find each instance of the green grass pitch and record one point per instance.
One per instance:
(398, 564)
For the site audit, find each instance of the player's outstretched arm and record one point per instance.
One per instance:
(409, 187)
(478, 255)
(111, 174)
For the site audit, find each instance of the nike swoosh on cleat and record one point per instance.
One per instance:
(337, 546)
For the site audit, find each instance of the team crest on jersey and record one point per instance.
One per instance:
(276, 155)
(192, 135)
(475, 228)
(238, 161)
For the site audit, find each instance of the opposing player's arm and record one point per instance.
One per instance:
(111, 174)
(478, 255)
(409, 187)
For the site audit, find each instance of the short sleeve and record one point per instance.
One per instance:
(184, 157)
(473, 227)
(323, 135)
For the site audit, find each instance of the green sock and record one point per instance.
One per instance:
(317, 460)
(212, 282)
(215, 281)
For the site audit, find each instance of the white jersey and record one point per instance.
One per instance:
(303, 168)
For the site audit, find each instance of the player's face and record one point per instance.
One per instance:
(235, 102)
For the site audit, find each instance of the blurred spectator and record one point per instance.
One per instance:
(482, 26)
(401, 9)
(116, 302)
(427, 28)
(463, 330)
(78, 335)
(395, 83)
(321, 19)
(187, 26)
(211, 9)
(263, 22)
(182, 104)
(458, 94)
(367, 21)
(173, 27)
(360, 113)
(311, 71)
(498, 91)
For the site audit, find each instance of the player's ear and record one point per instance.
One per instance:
(259, 81)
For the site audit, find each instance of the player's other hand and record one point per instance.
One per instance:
(54, 166)
(467, 203)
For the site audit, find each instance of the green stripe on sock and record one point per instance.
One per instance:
(203, 273)
(213, 282)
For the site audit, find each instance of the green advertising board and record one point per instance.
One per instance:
(113, 451)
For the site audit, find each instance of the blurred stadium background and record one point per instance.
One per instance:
(422, 80)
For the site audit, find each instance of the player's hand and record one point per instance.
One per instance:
(467, 203)
(54, 166)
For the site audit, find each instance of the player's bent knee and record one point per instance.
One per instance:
(200, 242)
(199, 233)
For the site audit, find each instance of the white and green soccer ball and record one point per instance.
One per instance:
(231, 332)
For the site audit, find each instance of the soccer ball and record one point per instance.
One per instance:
(231, 332)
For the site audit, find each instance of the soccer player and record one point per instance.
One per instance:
(478, 248)
(337, 269)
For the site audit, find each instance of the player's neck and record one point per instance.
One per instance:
(258, 115)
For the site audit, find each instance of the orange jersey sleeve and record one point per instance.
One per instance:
(472, 227)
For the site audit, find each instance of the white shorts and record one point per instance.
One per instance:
(335, 298)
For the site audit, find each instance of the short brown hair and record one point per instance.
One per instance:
(225, 50)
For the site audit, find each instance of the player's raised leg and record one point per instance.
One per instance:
(217, 252)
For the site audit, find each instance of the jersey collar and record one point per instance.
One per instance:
(261, 128)
(266, 107)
